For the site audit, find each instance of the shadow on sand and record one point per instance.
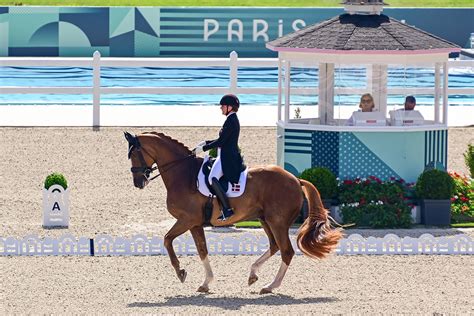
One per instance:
(232, 303)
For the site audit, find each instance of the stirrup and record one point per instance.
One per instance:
(225, 216)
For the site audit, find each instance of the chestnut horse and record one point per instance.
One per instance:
(272, 195)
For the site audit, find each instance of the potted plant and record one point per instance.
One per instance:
(325, 181)
(55, 201)
(434, 188)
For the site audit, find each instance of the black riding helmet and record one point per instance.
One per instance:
(232, 100)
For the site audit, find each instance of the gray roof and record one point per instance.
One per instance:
(361, 32)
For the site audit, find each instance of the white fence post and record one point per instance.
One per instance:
(233, 67)
(96, 91)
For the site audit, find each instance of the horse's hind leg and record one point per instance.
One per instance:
(286, 249)
(200, 241)
(273, 248)
(177, 229)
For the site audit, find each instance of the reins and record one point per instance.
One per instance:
(147, 170)
(171, 164)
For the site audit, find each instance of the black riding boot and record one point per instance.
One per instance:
(226, 210)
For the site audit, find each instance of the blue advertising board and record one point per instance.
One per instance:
(186, 31)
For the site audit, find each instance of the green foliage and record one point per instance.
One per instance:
(434, 184)
(249, 224)
(469, 159)
(463, 225)
(323, 179)
(462, 202)
(55, 178)
(213, 152)
(375, 203)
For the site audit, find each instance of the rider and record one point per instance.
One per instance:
(229, 163)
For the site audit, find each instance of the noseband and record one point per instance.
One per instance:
(144, 169)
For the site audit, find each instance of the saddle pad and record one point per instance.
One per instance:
(234, 190)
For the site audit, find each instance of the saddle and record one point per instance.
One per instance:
(204, 187)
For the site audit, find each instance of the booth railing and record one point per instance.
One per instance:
(233, 63)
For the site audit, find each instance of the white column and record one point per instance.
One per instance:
(383, 89)
(96, 90)
(329, 119)
(326, 94)
(437, 91)
(445, 93)
(233, 69)
(378, 76)
(279, 87)
(322, 92)
(287, 89)
(369, 76)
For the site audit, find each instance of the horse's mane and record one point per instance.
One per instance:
(171, 140)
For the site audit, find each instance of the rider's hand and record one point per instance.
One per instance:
(198, 149)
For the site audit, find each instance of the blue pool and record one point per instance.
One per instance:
(215, 77)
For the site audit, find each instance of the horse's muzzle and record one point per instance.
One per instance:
(140, 182)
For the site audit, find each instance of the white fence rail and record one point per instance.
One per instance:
(247, 244)
(233, 63)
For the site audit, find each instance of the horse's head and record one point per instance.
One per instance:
(142, 161)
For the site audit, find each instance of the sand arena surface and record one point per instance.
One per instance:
(104, 201)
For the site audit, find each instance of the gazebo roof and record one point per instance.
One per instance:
(358, 33)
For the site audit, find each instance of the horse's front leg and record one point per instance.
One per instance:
(178, 228)
(200, 241)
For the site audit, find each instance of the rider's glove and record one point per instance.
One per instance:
(199, 149)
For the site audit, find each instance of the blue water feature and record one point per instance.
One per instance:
(213, 77)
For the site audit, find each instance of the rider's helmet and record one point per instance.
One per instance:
(232, 100)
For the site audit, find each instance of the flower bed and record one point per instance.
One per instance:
(462, 202)
(371, 202)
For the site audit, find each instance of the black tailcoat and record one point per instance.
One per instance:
(231, 160)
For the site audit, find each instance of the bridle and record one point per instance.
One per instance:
(144, 169)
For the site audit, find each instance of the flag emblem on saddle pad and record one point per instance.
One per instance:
(236, 187)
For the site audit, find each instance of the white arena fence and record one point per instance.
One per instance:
(233, 63)
(247, 244)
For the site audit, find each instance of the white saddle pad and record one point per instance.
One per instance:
(234, 190)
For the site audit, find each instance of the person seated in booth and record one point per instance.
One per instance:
(408, 115)
(366, 104)
(410, 103)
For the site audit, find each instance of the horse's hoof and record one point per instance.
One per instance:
(182, 275)
(265, 290)
(252, 279)
(203, 289)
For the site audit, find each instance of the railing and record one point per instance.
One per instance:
(233, 62)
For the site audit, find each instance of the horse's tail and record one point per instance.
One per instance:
(316, 238)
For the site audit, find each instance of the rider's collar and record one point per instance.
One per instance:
(230, 114)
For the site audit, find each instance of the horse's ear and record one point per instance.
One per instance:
(129, 137)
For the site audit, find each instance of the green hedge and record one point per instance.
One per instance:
(323, 179)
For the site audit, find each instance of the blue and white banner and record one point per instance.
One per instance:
(186, 31)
